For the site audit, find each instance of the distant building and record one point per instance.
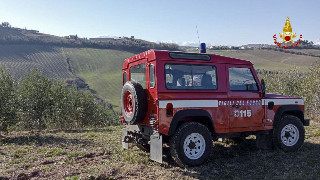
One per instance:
(257, 46)
(32, 31)
(211, 47)
(72, 37)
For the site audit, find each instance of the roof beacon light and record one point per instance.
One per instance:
(203, 48)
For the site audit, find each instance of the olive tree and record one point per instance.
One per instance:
(8, 106)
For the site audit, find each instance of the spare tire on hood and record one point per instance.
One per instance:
(133, 102)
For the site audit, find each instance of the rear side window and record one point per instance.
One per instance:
(138, 74)
(124, 78)
(241, 79)
(152, 77)
(183, 76)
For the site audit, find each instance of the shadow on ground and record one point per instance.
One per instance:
(244, 160)
(40, 140)
(82, 131)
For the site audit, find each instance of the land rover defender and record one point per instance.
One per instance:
(190, 99)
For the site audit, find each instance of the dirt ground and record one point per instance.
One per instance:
(97, 154)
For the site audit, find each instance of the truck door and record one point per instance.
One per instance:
(244, 97)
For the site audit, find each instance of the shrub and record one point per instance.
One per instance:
(297, 84)
(34, 98)
(45, 103)
(60, 114)
(8, 115)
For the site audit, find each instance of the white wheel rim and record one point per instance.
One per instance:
(194, 146)
(289, 135)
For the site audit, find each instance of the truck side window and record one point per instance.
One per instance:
(151, 76)
(182, 76)
(138, 74)
(124, 78)
(241, 79)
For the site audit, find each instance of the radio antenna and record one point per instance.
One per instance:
(198, 34)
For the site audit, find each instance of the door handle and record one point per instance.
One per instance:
(236, 106)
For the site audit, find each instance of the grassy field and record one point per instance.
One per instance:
(98, 153)
(306, 51)
(22, 58)
(270, 60)
(100, 68)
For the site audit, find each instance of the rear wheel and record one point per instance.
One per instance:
(191, 144)
(289, 134)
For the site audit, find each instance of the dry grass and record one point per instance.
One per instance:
(94, 154)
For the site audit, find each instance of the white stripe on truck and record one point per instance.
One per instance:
(283, 101)
(189, 103)
(214, 103)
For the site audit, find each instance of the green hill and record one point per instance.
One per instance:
(269, 59)
(315, 52)
(10, 35)
(22, 58)
(100, 68)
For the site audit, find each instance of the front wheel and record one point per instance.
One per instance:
(289, 134)
(191, 144)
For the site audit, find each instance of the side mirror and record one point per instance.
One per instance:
(263, 87)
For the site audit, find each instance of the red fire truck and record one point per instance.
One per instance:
(190, 99)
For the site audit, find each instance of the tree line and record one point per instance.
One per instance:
(23, 36)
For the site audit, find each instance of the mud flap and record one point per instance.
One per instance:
(125, 133)
(264, 141)
(156, 147)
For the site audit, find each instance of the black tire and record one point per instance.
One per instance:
(289, 140)
(139, 103)
(178, 139)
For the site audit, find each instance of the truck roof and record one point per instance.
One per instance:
(164, 55)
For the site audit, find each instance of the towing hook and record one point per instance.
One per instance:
(141, 141)
(128, 139)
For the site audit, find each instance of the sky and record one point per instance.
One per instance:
(219, 22)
